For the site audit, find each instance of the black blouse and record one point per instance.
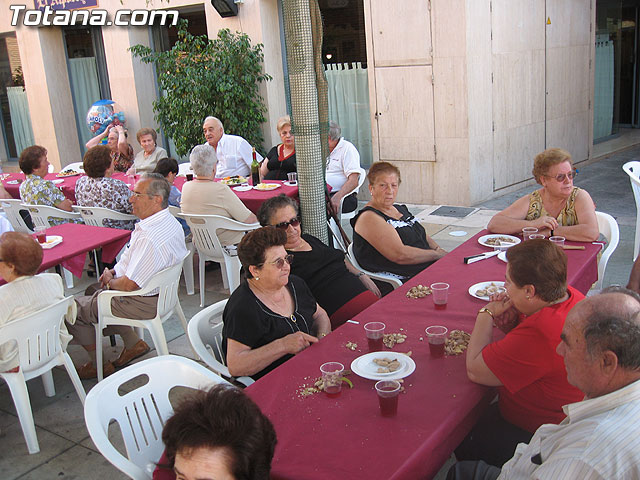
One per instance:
(279, 167)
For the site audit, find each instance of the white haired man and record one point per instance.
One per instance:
(600, 437)
(343, 165)
(234, 153)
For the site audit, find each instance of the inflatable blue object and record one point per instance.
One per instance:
(102, 114)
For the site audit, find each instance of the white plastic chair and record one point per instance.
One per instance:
(362, 175)
(12, 209)
(205, 335)
(166, 281)
(39, 350)
(40, 214)
(338, 242)
(96, 215)
(205, 239)
(184, 168)
(633, 170)
(142, 412)
(389, 278)
(187, 267)
(609, 229)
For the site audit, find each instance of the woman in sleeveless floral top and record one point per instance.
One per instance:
(557, 208)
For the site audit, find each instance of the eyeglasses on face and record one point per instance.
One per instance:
(279, 262)
(140, 194)
(294, 222)
(561, 176)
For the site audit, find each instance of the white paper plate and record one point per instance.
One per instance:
(52, 241)
(13, 182)
(291, 184)
(483, 239)
(242, 188)
(267, 187)
(458, 233)
(364, 367)
(503, 256)
(58, 181)
(481, 285)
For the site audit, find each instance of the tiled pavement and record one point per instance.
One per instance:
(67, 451)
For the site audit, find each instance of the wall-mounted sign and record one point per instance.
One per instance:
(65, 4)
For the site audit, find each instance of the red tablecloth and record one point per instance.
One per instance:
(251, 198)
(320, 438)
(79, 239)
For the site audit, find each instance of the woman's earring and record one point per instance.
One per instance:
(257, 278)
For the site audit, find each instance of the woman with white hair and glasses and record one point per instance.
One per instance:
(558, 208)
(203, 196)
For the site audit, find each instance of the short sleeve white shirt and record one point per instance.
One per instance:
(234, 156)
(342, 162)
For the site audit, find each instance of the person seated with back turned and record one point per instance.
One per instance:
(343, 167)
(25, 292)
(600, 437)
(36, 190)
(204, 196)
(524, 364)
(272, 315)
(558, 208)
(234, 153)
(157, 242)
(386, 237)
(281, 159)
(220, 433)
(168, 168)
(340, 288)
(99, 189)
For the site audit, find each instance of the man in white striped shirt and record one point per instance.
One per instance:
(157, 242)
(600, 437)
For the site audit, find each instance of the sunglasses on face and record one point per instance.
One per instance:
(561, 176)
(279, 262)
(294, 222)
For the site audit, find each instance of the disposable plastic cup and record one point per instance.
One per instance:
(537, 236)
(375, 335)
(292, 177)
(388, 394)
(440, 293)
(41, 234)
(527, 231)
(332, 373)
(558, 240)
(436, 335)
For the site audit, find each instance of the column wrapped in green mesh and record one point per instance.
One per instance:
(303, 29)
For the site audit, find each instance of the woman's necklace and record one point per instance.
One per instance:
(301, 244)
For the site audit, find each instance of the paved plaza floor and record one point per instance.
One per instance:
(66, 451)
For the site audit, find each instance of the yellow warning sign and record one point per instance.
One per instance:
(548, 21)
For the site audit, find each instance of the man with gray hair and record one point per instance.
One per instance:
(234, 153)
(343, 167)
(203, 196)
(157, 242)
(600, 437)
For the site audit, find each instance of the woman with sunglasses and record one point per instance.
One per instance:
(558, 208)
(272, 315)
(341, 289)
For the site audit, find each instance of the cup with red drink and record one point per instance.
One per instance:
(332, 374)
(388, 394)
(375, 335)
(41, 234)
(436, 335)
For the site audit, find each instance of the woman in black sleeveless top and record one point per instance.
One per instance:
(386, 237)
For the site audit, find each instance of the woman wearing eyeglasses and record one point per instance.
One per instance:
(272, 315)
(341, 289)
(558, 208)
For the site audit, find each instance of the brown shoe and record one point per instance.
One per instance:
(130, 354)
(88, 370)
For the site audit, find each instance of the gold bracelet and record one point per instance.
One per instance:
(486, 310)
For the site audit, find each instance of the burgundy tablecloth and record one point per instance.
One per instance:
(78, 239)
(252, 198)
(320, 438)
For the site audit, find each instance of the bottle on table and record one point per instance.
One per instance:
(255, 169)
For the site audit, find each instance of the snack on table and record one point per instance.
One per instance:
(317, 386)
(489, 290)
(390, 339)
(457, 342)
(497, 241)
(234, 180)
(351, 345)
(267, 186)
(67, 173)
(419, 291)
(387, 365)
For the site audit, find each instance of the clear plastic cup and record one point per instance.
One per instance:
(558, 240)
(292, 177)
(388, 393)
(537, 236)
(436, 335)
(527, 231)
(41, 233)
(375, 335)
(440, 293)
(332, 373)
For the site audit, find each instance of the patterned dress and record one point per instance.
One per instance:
(122, 162)
(35, 190)
(567, 217)
(108, 193)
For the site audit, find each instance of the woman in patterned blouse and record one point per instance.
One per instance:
(98, 189)
(121, 151)
(558, 208)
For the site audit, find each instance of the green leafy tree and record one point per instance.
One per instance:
(200, 77)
